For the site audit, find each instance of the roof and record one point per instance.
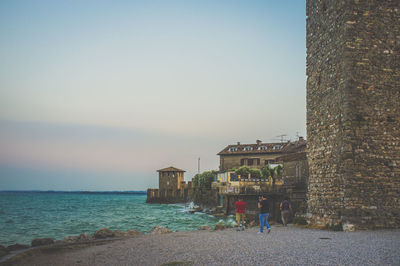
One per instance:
(297, 146)
(265, 148)
(258, 148)
(295, 151)
(293, 157)
(171, 169)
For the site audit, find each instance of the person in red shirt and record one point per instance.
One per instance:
(240, 213)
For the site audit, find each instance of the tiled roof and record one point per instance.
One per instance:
(265, 148)
(171, 169)
(260, 148)
(295, 151)
(293, 157)
(297, 146)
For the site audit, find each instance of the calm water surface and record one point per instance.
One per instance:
(28, 215)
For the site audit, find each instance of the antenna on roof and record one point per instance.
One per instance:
(198, 166)
(282, 137)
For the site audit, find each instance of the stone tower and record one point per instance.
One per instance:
(170, 178)
(353, 113)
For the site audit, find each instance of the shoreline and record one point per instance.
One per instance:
(18, 254)
(284, 245)
(60, 215)
(223, 221)
(98, 237)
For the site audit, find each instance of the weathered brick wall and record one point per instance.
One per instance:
(295, 172)
(353, 114)
(169, 195)
(170, 180)
(205, 198)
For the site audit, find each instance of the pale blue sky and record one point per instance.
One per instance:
(111, 91)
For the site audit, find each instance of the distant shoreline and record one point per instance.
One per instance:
(139, 192)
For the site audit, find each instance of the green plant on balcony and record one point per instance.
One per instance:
(245, 171)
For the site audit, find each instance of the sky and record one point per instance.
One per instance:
(98, 95)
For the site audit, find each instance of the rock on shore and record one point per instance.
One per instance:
(17, 246)
(205, 227)
(42, 241)
(103, 233)
(219, 226)
(85, 237)
(3, 251)
(134, 233)
(159, 230)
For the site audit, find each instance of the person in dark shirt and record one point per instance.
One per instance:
(263, 205)
(285, 207)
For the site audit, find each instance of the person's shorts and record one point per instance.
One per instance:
(240, 216)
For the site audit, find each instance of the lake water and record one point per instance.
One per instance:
(28, 215)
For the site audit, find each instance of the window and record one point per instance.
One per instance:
(248, 148)
(263, 148)
(242, 162)
(257, 161)
(233, 149)
(277, 147)
(249, 161)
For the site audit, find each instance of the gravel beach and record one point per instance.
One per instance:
(283, 246)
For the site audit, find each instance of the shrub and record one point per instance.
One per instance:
(255, 173)
(266, 172)
(203, 180)
(336, 227)
(299, 220)
(243, 171)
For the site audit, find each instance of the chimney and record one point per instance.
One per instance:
(258, 142)
(238, 143)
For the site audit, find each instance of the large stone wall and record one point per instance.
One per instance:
(206, 198)
(353, 112)
(170, 180)
(295, 170)
(182, 195)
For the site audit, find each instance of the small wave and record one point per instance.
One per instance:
(95, 214)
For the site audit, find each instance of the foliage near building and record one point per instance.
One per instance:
(203, 180)
(265, 172)
(202, 192)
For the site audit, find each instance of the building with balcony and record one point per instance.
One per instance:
(253, 155)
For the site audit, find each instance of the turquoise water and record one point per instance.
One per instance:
(28, 215)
